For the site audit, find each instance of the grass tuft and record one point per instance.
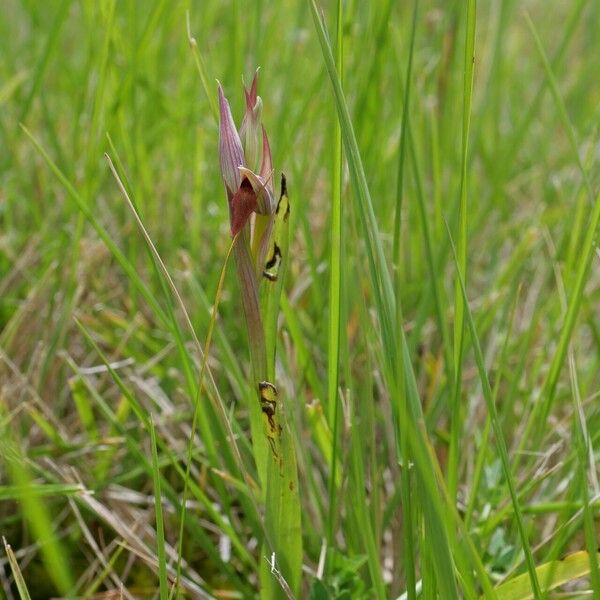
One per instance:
(438, 406)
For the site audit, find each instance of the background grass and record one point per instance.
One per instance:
(94, 348)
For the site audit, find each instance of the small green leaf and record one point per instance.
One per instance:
(552, 574)
(318, 591)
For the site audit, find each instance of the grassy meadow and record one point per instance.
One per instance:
(415, 414)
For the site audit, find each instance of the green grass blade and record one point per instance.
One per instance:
(129, 269)
(104, 319)
(201, 68)
(160, 528)
(166, 486)
(335, 291)
(384, 297)
(542, 409)
(360, 509)
(483, 451)
(41, 521)
(524, 125)
(223, 435)
(45, 54)
(560, 105)
(459, 319)
(197, 408)
(16, 571)
(499, 435)
(558, 572)
(379, 271)
(12, 492)
(585, 461)
(408, 533)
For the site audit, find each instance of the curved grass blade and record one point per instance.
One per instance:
(203, 368)
(160, 528)
(542, 409)
(585, 460)
(40, 519)
(497, 428)
(207, 504)
(558, 573)
(435, 515)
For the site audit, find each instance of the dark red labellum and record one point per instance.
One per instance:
(243, 204)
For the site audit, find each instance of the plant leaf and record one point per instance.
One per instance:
(553, 574)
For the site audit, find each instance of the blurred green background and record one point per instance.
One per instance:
(119, 77)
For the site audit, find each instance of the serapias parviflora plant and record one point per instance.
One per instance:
(259, 226)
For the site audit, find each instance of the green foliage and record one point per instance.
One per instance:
(441, 440)
(553, 574)
(345, 581)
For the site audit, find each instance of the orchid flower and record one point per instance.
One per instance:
(259, 226)
(245, 158)
(246, 170)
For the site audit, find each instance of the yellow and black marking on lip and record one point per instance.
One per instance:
(272, 265)
(284, 203)
(275, 254)
(268, 406)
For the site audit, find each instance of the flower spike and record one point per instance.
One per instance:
(245, 158)
(259, 226)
